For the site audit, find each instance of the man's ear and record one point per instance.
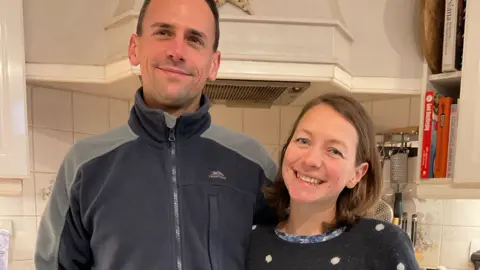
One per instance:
(360, 171)
(133, 50)
(212, 75)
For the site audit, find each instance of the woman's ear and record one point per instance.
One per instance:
(360, 171)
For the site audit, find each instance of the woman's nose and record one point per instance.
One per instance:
(313, 159)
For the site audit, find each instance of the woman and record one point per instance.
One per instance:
(330, 175)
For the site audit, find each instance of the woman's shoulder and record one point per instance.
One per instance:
(384, 234)
(263, 230)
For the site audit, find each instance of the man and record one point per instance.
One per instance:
(169, 190)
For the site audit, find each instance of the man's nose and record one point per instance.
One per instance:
(176, 49)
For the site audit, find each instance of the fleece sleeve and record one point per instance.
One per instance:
(62, 242)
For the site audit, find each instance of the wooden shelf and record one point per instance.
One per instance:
(443, 188)
(447, 79)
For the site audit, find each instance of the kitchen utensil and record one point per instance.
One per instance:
(404, 221)
(413, 235)
(475, 258)
(398, 206)
(381, 211)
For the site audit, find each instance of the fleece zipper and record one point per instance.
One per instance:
(178, 249)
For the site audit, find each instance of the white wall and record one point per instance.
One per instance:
(58, 118)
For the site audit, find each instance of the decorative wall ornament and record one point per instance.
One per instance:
(46, 192)
(242, 4)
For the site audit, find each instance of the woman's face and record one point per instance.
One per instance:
(319, 161)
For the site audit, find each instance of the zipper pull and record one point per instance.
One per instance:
(171, 136)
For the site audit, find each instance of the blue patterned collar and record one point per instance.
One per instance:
(309, 239)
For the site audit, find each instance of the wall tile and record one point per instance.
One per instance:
(29, 105)
(456, 246)
(288, 116)
(43, 188)
(429, 211)
(22, 265)
(273, 150)
(414, 117)
(461, 213)
(90, 114)
(23, 205)
(118, 112)
(428, 244)
(231, 118)
(24, 237)
(50, 148)
(52, 109)
(262, 124)
(80, 136)
(30, 148)
(390, 113)
(367, 105)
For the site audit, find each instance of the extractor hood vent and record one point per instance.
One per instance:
(243, 92)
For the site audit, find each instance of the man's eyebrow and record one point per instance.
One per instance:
(191, 31)
(161, 25)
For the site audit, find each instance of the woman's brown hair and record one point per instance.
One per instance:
(351, 203)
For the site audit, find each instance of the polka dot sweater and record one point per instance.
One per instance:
(368, 244)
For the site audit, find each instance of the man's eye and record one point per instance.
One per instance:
(163, 33)
(195, 40)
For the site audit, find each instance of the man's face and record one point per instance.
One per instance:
(175, 53)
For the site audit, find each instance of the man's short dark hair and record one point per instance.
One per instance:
(211, 4)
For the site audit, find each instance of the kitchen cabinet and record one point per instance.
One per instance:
(14, 156)
(465, 182)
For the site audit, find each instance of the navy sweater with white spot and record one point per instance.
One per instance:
(368, 244)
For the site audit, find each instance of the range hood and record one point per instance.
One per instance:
(265, 60)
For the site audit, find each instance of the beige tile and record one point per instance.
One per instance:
(52, 108)
(414, 111)
(428, 244)
(50, 148)
(24, 237)
(22, 265)
(273, 151)
(80, 136)
(456, 246)
(367, 105)
(43, 188)
(288, 116)
(461, 213)
(29, 105)
(231, 118)
(429, 211)
(30, 148)
(23, 205)
(390, 113)
(262, 124)
(118, 112)
(90, 114)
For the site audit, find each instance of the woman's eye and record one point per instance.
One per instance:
(302, 141)
(336, 152)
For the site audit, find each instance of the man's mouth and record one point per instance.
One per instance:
(308, 179)
(175, 71)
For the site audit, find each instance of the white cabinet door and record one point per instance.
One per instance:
(13, 102)
(467, 156)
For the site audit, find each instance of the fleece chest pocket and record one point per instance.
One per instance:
(230, 223)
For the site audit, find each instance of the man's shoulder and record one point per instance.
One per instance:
(243, 144)
(97, 145)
